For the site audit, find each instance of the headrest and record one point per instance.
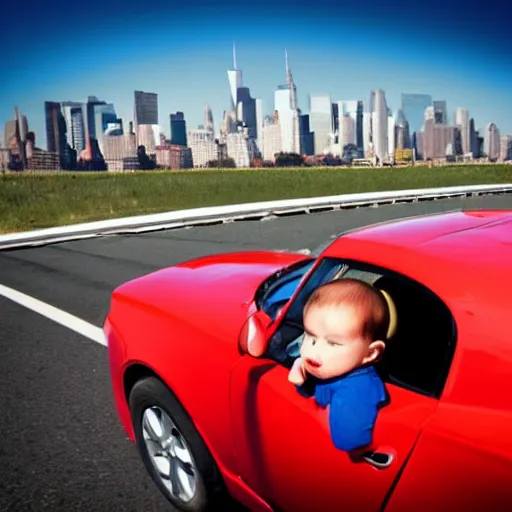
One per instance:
(393, 317)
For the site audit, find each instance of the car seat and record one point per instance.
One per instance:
(413, 353)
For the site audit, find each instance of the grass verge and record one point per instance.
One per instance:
(33, 201)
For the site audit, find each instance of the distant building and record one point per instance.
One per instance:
(417, 141)
(147, 137)
(348, 123)
(379, 125)
(272, 139)
(178, 129)
(208, 119)
(402, 134)
(146, 108)
(203, 146)
(56, 132)
(241, 147)
(172, 156)
(493, 142)
(119, 147)
(506, 148)
(104, 115)
(75, 115)
(475, 146)
(125, 164)
(285, 103)
(246, 110)
(307, 143)
(235, 82)
(440, 140)
(462, 121)
(320, 121)
(40, 160)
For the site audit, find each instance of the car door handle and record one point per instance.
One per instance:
(380, 460)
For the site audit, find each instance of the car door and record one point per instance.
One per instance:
(286, 453)
(283, 442)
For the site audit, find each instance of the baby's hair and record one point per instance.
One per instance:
(362, 296)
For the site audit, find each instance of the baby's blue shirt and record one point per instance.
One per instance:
(354, 400)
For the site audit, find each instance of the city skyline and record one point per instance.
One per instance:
(185, 61)
(124, 109)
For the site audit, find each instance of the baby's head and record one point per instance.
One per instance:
(345, 323)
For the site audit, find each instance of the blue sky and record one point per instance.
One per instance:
(63, 51)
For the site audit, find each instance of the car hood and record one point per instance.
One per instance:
(213, 292)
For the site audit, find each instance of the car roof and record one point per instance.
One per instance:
(466, 238)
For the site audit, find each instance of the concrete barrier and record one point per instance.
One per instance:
(231, 213)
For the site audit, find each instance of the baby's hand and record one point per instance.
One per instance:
(297, 373)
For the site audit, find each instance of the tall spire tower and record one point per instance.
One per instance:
(235, 81)
(289, 82)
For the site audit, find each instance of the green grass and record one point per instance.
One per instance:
(38, 200)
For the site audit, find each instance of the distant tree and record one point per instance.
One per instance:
(221, 163)
(289, 160)
(145, 163)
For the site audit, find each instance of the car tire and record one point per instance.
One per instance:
(150, 394)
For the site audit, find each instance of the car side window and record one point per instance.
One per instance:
(278, 290)
(419, 354)
(291, 327)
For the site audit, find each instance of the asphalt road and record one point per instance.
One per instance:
(61, 445)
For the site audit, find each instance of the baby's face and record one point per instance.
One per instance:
(333, 343)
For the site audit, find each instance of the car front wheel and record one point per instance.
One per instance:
(172, 450)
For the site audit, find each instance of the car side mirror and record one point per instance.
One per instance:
(253, 338)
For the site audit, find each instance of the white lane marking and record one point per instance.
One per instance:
(57, 315)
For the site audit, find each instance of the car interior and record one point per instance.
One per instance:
(422, 332)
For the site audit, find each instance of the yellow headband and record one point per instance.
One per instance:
(392, 314)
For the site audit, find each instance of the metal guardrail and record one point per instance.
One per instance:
(238, 212)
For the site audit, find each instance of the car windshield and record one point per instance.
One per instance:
(277, 290)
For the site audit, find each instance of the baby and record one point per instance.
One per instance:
(345, 323)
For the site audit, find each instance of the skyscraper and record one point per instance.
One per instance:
(285, 103)
(379, 123)
(306, 136)
(146, 108)
(474, 142)
(506, 148)
(208, 119)
(462, 121)
(104, 115)
(320, 121)
(146, 120)
(402, 135)
(242, 103)
(178, 129)
(353, 109)
(235, 81)
(56, 140)
(493, 142)
(75, 115)
(246, 110)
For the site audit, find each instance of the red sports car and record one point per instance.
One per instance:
(212, 421)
